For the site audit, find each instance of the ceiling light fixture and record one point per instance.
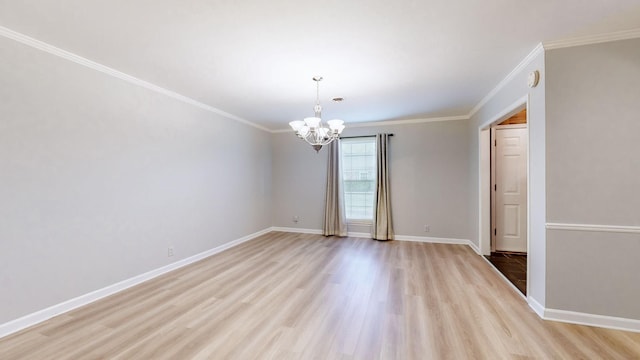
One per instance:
(312, 130)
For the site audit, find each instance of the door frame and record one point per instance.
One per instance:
(484, 178)
(493, 149)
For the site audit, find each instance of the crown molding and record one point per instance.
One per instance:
(547, 45)
(41, 45)
(280, 131)
(409, 121)
(524, 63)
(556, 44)
(592, 39)
(394, 122)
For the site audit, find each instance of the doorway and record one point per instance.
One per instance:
(509, 242)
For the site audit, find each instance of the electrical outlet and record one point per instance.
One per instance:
(427, 228)
(170, 251)
(295, 219)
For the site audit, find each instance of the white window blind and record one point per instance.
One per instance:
(359, 177)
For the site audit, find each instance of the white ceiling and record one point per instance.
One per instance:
(401, 59)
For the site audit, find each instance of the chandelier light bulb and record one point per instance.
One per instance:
(303, 131)
(312, 122)
(334, 124)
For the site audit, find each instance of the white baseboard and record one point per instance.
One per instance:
(539, 309)
(578, 318)
(297, 230)
(424, 239)
(609, 322)
(435, 240)
(536, 306)
(474, 247)
(55, 310)
(397, 237)
(317, 232)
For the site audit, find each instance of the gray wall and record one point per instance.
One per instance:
(507, 96)
(583, 167)
(98, 177)
(299, 178)
(593, 174)
(429, 165)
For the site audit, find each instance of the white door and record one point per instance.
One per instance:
(511, 189)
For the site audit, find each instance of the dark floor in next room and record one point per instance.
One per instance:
(513, 267)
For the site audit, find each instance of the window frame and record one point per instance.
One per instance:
(364, 140)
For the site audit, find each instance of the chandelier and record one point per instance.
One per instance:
(312, 130)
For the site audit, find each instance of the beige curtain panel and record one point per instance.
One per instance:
(335, 222)
(382, 222)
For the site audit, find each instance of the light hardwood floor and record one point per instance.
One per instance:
(296, 296)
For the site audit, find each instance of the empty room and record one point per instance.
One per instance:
(209, 179)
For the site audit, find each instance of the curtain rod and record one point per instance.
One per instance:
(361, 136)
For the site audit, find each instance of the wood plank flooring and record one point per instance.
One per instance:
(297, 296)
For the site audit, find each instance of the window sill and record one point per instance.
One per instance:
(360, 222)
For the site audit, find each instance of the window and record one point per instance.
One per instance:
(359, 177)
